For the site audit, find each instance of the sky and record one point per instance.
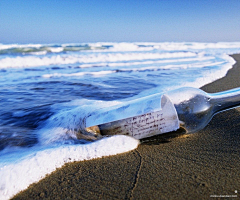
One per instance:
(77, 21)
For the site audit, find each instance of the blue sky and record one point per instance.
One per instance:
(70, 21)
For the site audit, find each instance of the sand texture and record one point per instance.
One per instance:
(172, 166)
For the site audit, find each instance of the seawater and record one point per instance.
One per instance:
(46, 89)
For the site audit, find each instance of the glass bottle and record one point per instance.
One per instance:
(196, 108)
(139, 118)
(189, 108)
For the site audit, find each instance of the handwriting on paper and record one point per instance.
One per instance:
(141, 126)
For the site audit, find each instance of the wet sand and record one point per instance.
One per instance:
(172, 166)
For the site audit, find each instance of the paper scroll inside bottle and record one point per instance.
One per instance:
(139, 118)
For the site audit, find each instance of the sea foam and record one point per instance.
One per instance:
(15, 177)
(35, 61)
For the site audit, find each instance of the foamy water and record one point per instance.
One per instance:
(47, 89)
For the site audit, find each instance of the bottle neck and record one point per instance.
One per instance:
(225, 100)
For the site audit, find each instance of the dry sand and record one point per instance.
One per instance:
(174, 166)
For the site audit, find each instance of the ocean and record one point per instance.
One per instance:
(46, 90)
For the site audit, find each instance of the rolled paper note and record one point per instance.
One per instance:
(140, 118)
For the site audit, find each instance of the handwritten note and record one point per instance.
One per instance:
(141, 126)
(154, 122)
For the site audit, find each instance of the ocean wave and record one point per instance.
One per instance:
(23, 49)
(34, 61)
(38, 48)
(130, 70)
(57, 48)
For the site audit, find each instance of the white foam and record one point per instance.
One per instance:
(10, 46)
(15, 177)
(56, 49)
(124, 46)
(193, 45)
(163, 61)
(119, 52)
(208, 77)
(39, 53)
(33, 61)
(212, 75)
(67, 122)
(140, 69)
(99, 73)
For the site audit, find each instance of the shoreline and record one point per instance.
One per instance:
(180, 166)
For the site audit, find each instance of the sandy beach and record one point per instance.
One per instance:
(171, 166)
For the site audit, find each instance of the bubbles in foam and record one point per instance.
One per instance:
(31, 168)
